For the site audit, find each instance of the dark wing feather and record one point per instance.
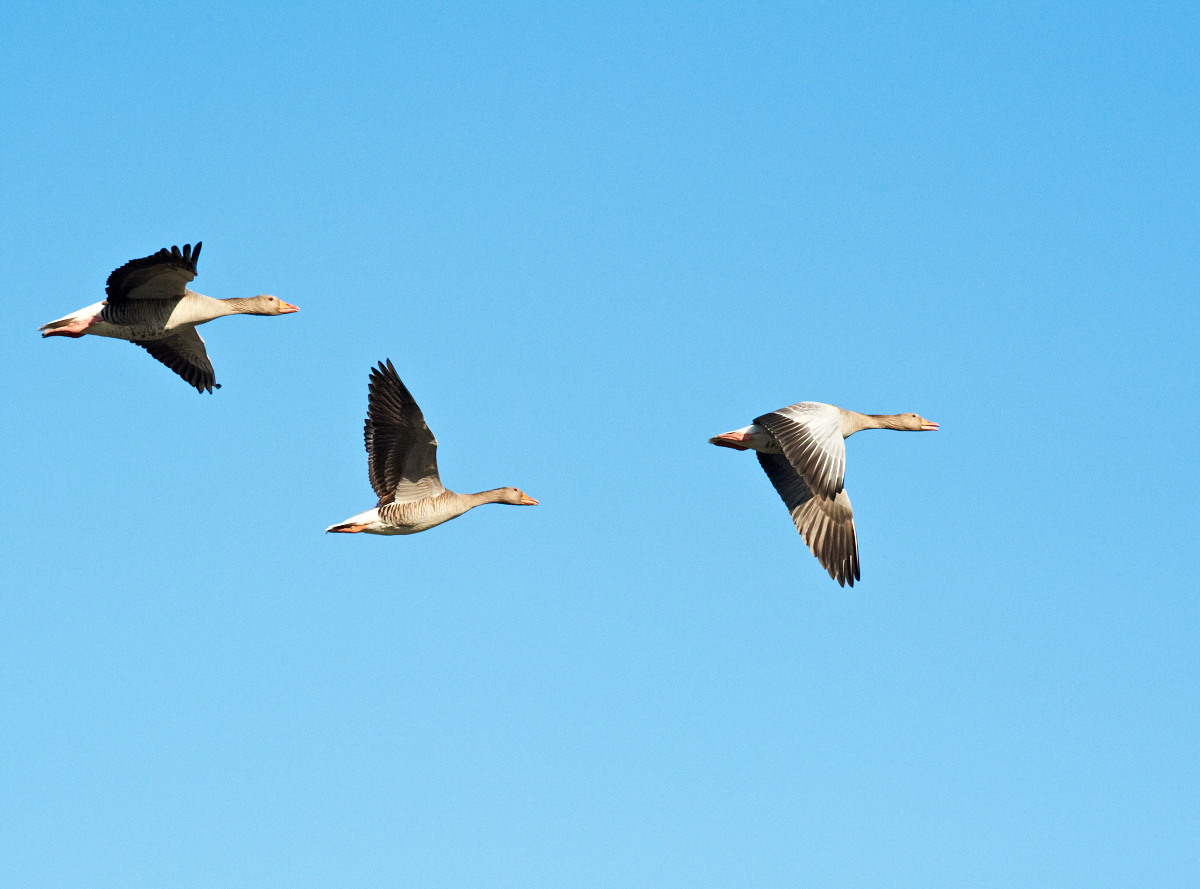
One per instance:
(184, 353)
(826, 525)
(401, 451)
(164, 275)
(811, 437)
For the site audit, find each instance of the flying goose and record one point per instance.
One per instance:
(149, 305)
(803, 452)
(402, 465)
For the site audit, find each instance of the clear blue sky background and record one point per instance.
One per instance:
(589, 238)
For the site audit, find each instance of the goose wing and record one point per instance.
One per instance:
(184, 353)
(810, 434)
(401, 451)
(163, 275)
(826, 525)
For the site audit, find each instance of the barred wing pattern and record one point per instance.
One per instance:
(826, 525)
(810, 434)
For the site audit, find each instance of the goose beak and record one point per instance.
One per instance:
(526, 500)
(929, 426)
(346, 528)
(730, 440)
(287, 308)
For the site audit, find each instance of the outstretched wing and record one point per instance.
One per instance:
(401, 451)
(810, 434)
(184, 353)
(826, 525)
(163, 275)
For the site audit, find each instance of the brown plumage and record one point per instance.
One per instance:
(148, 303)
(402, 466)
(802, 450)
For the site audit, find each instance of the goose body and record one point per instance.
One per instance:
(149, 304)
(802, 450)
(402, 466)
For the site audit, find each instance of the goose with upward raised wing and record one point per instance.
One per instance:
(149, 305)
(803, 452)
(402, 465)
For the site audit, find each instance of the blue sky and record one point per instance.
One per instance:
(590, 238)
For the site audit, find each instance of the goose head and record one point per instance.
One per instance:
(515, 497)
(917, 423)
(899, 422)
(264, 304)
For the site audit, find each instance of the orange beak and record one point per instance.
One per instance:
(730, 440)
(929, 426)
(526, 500)
(287, 308)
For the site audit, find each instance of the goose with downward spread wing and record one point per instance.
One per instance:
(803, 452)
(149, 304)
(402, 465)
